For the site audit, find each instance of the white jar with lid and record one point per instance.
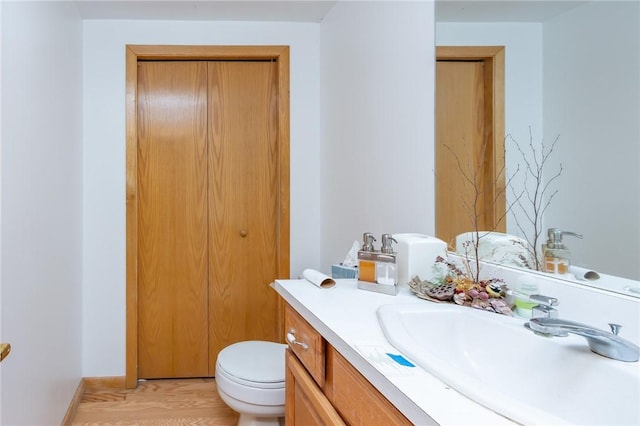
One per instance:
(525, 287)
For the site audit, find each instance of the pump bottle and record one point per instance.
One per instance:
(556, 255)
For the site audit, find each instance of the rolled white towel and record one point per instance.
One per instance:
(584, 274)
(318, 278)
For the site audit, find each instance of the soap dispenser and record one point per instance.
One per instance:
(377, 269)
(386, 271)
(366, 259)
(556, 255)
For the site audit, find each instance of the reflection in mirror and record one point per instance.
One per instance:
(572, 70)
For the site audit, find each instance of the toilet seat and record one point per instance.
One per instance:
(220, 371)
(253, 372)
(253, 363)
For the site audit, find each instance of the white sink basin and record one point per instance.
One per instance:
(495, 361)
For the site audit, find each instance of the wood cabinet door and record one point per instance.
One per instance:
(305, 403)
(173, 256)
(355, 398)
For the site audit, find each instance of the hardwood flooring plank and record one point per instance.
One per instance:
(170, 422)
(157, 402)
(103, 397)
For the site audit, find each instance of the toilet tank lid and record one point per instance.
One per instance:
(254, 361)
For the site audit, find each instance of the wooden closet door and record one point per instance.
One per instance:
(243, 202)
(172, 220)
(460, 126)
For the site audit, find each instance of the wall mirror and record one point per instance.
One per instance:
(572, 71)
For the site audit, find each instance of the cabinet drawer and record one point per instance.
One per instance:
(306, 343)
(357, 401)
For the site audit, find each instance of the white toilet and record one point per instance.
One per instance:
(250, 380)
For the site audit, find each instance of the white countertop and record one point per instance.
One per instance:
(346, 317)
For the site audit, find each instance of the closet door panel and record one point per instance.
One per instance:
(172, 220)
(243, 202)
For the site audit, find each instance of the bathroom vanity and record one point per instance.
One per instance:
(336, 366)
(323, 387)
(342, 368)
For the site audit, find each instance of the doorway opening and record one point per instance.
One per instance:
(470, 155)
(136, 54)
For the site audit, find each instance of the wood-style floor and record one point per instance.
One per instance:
(156, 402)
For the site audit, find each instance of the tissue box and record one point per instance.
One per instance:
(340, 271)
(416, 256)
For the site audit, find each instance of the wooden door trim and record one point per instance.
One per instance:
(493, 58)
(135, 53)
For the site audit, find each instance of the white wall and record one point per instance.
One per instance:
(377, 122)
(104, 159)
(523, 86)
(592, 100)
(41, 210)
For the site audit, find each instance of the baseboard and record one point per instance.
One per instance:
(95, 384)
(89, 385)
(73, 405)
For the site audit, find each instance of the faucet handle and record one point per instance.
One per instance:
(544, 300)
(544, 308)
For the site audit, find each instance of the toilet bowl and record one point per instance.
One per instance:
(250, 379)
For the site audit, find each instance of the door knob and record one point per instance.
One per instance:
(243, 233)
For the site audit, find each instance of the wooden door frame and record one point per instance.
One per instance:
(135, 53)
(493, 58)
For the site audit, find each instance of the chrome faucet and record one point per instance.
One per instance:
(545, 307)
(604, 343)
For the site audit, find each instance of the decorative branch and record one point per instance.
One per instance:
(473, 181)
(538, 198)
